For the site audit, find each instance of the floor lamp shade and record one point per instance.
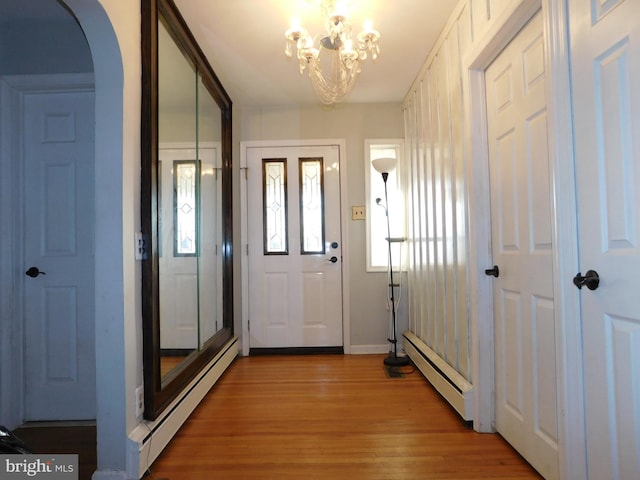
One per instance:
(384, 164)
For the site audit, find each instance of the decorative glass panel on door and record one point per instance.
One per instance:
(274, 187)
(311, 206)
(185, 197)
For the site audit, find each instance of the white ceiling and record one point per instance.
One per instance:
(244, 42)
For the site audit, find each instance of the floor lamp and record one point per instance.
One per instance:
(384, 166)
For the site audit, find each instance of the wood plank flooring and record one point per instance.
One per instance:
(330, 417)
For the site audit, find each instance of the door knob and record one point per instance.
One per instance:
(493, 272)
(591, 280)
(33, 272)
(333, 259)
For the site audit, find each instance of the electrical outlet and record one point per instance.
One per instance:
(139, 401)
(141, 246)
(358, 212)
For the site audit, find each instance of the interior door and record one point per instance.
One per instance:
(605, 38)
(522, 250)
(295, 274)
(58, 290)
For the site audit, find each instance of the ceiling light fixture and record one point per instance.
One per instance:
(336, 51)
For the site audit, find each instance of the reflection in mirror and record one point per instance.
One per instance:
(210, 231)
(190, 196)
(187, 277)
(177, 203)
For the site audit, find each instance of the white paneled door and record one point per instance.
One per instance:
(295, 272)
(522, 250)
(605, 38)
(190, 239)
(59, 256)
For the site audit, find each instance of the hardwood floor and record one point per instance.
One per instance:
(330, 417)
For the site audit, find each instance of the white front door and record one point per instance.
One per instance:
(295, 273)
(58, 260)
(522, 250)
(605, 38)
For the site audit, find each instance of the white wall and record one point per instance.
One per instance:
(352, 122)
(112, 28)
(437, 192)
(439, 186)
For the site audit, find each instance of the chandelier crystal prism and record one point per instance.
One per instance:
(335, 53)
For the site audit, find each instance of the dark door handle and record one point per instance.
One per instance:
(493, 272)
(333, 259)
(591, 280)
(33, 272)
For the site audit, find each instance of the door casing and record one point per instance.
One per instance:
(344, 214)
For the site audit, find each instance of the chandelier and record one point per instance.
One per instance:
(336, 52)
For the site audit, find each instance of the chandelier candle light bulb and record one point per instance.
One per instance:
(344, 57)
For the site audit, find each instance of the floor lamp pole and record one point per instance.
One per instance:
(393, 360)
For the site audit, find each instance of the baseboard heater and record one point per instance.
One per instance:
(149, 438)
(444, 378)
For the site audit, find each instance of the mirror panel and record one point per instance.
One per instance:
(177, 203)
(185, 207)
(210, 232)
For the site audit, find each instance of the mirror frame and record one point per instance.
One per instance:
(160, 392)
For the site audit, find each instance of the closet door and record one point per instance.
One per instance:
(58, 195)
(522, 247)
(605, 39)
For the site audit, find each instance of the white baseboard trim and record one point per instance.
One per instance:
(149, 438)
(447, 381)
(369, 349)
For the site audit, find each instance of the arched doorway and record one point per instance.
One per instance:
(101, 48)
(115, 336)
(47, 164)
